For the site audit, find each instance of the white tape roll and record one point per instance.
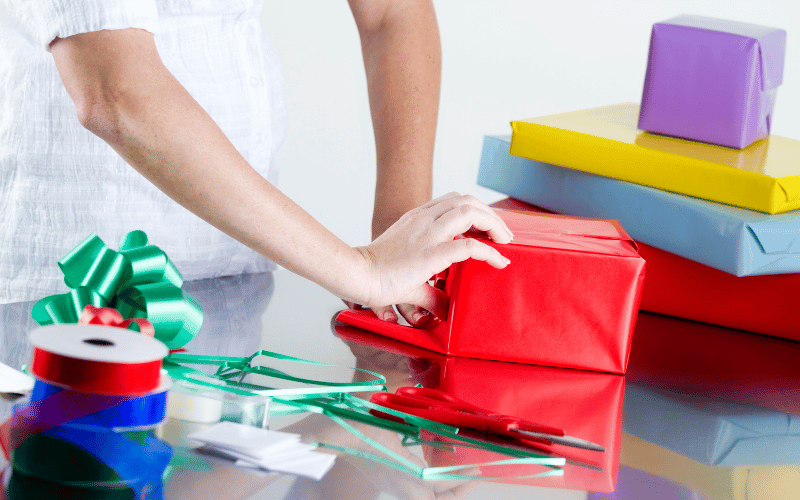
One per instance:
(176, 432)
(194, 407)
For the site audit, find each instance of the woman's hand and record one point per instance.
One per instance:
(426, 241)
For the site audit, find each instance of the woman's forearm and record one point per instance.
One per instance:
(125, 95)
(402, 58)
(129, 99)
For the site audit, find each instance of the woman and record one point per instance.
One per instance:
(188, 93)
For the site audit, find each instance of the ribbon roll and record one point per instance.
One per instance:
(97, 359)
(84, 458)
(139, 280)
(22, 486)
(51, 406)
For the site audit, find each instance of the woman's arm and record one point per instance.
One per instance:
(125, 95)
(403, 63)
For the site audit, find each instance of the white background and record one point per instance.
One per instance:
(503, 60)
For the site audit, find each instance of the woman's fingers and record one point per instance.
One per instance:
(423, 242)
(430, 299)
(416, 316)
(469, 248)
(453, 200)
(352, 305)
(459, 220)
(386, 313)
(438, 200)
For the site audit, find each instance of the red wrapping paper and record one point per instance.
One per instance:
(585, 404)
(569, 298)
(681, 287)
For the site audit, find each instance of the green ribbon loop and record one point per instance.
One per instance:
(95, 266)
(67, 307)
(175, 315)
(139, 280)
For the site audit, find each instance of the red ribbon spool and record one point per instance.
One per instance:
(97, 359)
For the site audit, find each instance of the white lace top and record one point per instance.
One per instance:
(59, 182)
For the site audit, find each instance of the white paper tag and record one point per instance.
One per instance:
(13, 381)
(315, 465)
(249, 441)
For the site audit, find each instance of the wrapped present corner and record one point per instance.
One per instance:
(764, 176)
(569, 298)
(712, 80)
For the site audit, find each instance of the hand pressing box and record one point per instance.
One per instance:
(569, 298)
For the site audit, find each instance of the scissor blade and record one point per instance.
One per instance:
(565, 440)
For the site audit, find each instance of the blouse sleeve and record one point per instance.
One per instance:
(41, 21)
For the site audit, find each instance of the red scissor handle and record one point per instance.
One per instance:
(443, 408)
(437, 413)
(444, 399)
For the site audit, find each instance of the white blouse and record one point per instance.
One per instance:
(59, 183)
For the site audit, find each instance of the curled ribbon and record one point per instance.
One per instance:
(139, 281)
(108, 316)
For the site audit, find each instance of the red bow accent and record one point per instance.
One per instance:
(108, 316)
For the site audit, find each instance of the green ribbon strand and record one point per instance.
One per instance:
(403, 464)
(232, 371)
(333, 399)
(139, 281)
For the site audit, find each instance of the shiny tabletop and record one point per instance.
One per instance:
(703, 412)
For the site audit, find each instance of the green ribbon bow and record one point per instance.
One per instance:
(139, 281)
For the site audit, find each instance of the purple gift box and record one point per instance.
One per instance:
(712, 80)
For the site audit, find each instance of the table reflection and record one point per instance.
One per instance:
(233, 308)
(585, 404)
(713, 409)
(704, 412)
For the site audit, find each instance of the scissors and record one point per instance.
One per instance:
(441, 407)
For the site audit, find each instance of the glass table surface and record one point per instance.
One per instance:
(703, 412)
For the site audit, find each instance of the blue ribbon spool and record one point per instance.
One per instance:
(77, 457)
(87, 443)
(114, 412)
(24, 487)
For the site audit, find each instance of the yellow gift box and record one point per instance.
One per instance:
(765, 176)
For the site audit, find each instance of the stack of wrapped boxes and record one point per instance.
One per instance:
(693, 175)
(703, 192)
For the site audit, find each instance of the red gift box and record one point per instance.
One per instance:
(587, 405)
(681, 287)
(569, 298)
